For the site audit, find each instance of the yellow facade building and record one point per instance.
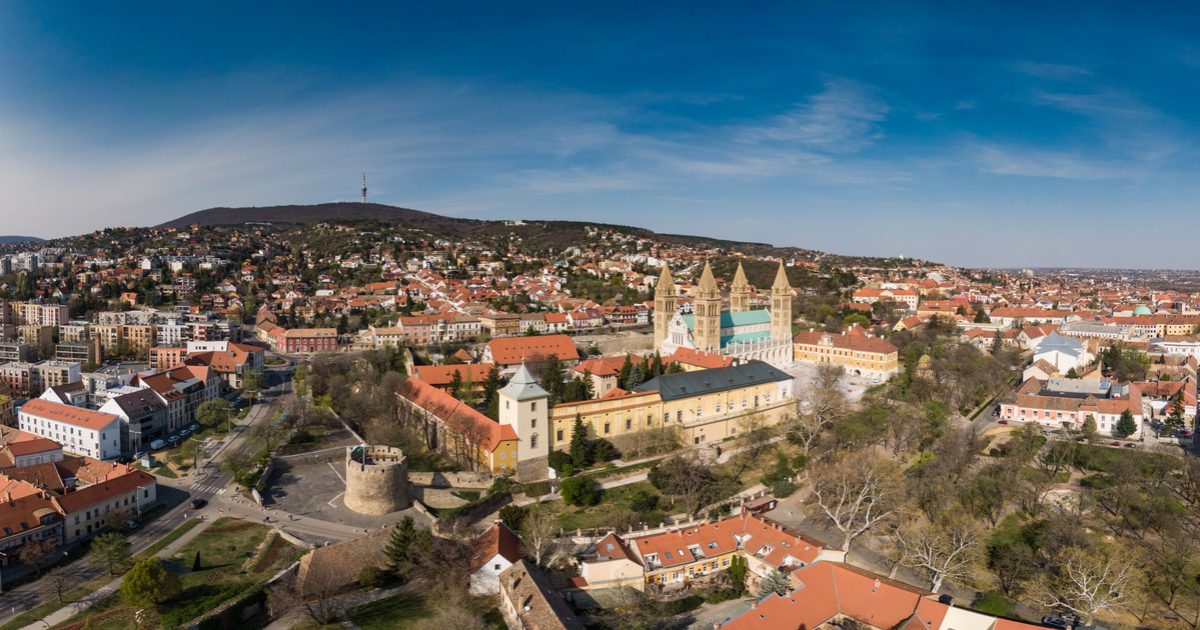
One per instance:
(857, 353)
(704, 405)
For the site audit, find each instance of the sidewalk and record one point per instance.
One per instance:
(70, 610)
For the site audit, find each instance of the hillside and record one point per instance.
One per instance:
(10, 240)
(555, 235)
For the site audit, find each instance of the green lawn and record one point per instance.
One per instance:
(231, 564)
(397, 611)
(613, 503)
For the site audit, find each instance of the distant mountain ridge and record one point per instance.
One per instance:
(12, 239)
(533, 231)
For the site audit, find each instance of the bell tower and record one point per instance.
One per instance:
(665, 302)
(707, 330)
(781, 306)
(739, 292)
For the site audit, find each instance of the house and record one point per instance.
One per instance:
(80, 431)
(106, 503)
(1067, 403)
(509, 352)
(604, 372)
(456, 429)
(306, 340)
(441, 376)
(826, 593)
(691, 359)
(611, 565)
(144, 417)
(493, 553)
(683, 555)
(1064, 353)
(859, 354)
(527, 601)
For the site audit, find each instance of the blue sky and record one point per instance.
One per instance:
(1050, 134)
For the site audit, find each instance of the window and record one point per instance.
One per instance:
(533, 406)
(533, 423)
(558, 436)
(606, 428)
(533, 441)
(628, 423)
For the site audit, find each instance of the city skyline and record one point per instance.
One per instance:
(976, 137)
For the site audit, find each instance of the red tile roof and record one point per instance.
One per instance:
(513, 350)
(442, 375)
(497, 540)
(103, 491)
(86, 418)
(460, 417)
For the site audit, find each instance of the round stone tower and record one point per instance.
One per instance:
(376, 479)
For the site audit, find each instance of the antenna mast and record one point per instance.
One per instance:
(364, 187)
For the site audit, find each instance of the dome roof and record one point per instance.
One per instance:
(1142, 310)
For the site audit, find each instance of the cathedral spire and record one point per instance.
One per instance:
(739, 278)
(708, 284)
(781, 281)
(665, 280)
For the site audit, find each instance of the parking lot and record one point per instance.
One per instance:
(315, 490)
(805, 374)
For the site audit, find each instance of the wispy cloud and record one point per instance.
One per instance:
(1056, 71)
(844, 118)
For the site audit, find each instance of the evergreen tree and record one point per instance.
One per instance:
(402, 546)
(656, 365)
(580, 454)
(623, 375)
(737, 573)
(1072, 373)
(552, 378)
(1089, 428)
(1126, 425)
(997, 342)
(774, 582)
(636, 377)
(456, 384)
(981, 317)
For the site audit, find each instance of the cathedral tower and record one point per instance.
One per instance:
(706, 334)
(781, 306)
(739, 292)
(664, 306)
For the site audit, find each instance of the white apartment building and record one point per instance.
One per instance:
(80, 431)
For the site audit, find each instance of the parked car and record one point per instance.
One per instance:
(138, 455)
(1002, 422)
(1056, 622)
(132, 524)
(1114, 443)
(198, 503)
(1130, 445)
(157, 444)
(185, 432)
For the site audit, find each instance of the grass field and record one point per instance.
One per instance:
(232, 562)
(398, 611)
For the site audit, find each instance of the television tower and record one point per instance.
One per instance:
(364, 187)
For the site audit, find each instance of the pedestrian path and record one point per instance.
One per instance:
(204, 485)
(70, 610)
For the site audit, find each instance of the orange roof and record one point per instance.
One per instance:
(606, 366)
(36, 445)
(85, 418)
(443, 374)
(498, 539)
(103, 491)
(460, 417)
(860, 343)
(760, 537)
(698, 358)
(513, 350)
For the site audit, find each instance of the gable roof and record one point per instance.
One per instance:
(513, 350)
(76, 416)
(497, 540)
(460, 417)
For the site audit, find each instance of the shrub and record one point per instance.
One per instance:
(721, 595)
(537, 488)
(372, 576)
(994, 603)
(513, 516)
(783, 489)
(580, 491)
(643, 501)
(603, 451)
(560, 461)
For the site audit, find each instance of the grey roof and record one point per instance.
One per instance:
(1078, 386)
(1057, 342)
(689, 384)
(139, 403)
(523, 386)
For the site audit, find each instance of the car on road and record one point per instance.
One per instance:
(1002, 422)
(1130, 445)
(157, 444)
(1056, 622)
(1114, 443)
(196, 504)
(132, 524)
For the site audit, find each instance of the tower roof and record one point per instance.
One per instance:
(665, 279)
(707, 282)
(524, 386)
(739, 278)
(781, 281)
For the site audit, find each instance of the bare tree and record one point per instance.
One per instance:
(820, 409)
(1087, 582)
(539, 533)
(59, 580)
(286, 595)
(855, 495)
(34, 552)
(756, 435)
(941, 551)
(828, 376)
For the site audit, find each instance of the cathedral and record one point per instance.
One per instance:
(741, 333)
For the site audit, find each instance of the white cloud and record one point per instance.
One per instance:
(842, 119)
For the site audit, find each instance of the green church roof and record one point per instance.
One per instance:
(739, 318)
